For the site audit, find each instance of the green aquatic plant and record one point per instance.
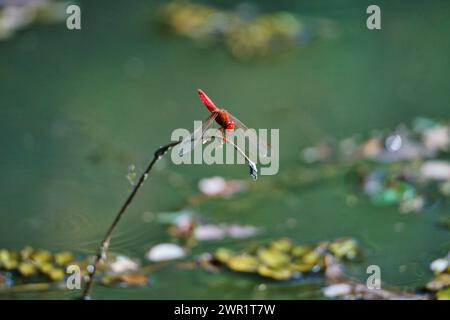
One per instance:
(443, 294)
(243, 32)
(37, 269)
(406, 167)
(282, 259)
(31, 266)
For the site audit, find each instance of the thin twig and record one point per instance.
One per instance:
(103, 249)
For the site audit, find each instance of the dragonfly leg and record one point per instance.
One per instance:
(223, 133)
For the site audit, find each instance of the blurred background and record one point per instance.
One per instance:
(79, 107)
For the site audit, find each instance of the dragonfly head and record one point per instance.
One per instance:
(229, 125)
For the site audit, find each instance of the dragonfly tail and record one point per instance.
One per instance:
(207, 101)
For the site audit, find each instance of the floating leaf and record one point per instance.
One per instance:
(27, 269)
(344, 248)
(300, 266)
(165, 251)
(56, 274)
(64, 258)
(243, 263)
(439, 282)
(8, 259)
(122, 264)
(337, 290)
(42, 256)
(134, 279)
(223, 255)
(26, 252)
(245, 35)
(277, 274)
(443, 294)
(38, 265)
(299, 251)
(283, 244)
(281, 259)
(273, 258)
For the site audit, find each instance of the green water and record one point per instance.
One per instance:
(76, 112)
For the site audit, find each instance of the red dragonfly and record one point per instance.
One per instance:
(227, 123)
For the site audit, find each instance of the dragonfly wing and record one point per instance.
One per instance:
(263, 148)
(252, 165)
(189, 143)
(238, 122)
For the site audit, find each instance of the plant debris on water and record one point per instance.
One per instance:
(218, 186)
(30, 265)
(17, 15)
(38, 269)
(244, 32)
(440, 284)
(407, 167)
(282, 259)
(190, 226)
(279, 260)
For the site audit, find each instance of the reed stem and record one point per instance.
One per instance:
(103, 249)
